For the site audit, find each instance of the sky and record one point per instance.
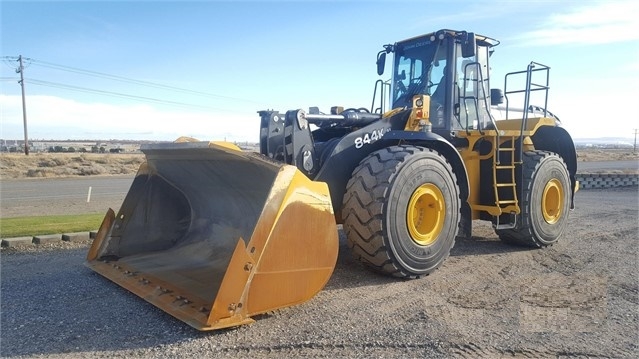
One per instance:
(157, 70)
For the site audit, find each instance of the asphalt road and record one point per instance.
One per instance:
(28, 197)
(590, 166)
(576, 299)
(59, 196)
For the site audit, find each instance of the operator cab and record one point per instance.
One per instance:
(452, 68)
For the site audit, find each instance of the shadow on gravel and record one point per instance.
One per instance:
(349, 273)
(475, 246)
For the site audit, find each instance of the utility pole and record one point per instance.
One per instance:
(20, 70)
(634, 148)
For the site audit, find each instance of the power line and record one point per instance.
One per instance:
(120, 95)
(121, 78)
(130, 80)
(10, 63)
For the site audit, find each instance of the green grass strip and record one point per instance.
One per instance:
(36, 226)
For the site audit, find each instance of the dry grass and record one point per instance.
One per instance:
(68, 164)
(601, 154)
(91, 164)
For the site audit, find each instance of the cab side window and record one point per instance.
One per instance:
(471, 90)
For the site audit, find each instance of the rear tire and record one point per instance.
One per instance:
(545, 204)
(401, 211)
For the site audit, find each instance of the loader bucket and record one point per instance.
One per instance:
(213, 235)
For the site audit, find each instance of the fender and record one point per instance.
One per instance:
(443, 146)
(346, 154)
(439, 143)
(556, 139)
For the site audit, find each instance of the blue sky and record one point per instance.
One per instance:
(236, 58)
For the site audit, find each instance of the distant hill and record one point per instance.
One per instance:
(605, 142)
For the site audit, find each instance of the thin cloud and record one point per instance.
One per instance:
(595, 23)
(52, 117)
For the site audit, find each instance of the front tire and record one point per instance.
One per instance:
(545, 204)
(401, 211)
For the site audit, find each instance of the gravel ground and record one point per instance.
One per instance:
(577, 299)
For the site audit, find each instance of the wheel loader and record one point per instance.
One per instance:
(214, 235)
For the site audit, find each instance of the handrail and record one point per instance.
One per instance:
(384, 85)
(482, 88)
(529, 85)
(528, 88)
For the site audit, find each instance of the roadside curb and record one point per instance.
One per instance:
(49, 238)
(607, 180)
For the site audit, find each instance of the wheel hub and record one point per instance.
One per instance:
(426, 214)
(552, 201)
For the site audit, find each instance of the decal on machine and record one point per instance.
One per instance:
(370, 137)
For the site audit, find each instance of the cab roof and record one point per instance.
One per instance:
(481, 39)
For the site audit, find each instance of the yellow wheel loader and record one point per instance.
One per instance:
(214, 235)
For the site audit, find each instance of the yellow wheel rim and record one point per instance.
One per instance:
(426, 214)
(552, 201)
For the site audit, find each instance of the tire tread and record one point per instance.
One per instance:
(364, 204)
(523, 234)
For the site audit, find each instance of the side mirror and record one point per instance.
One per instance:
(381, 62)
(496, 97)
(468, 45)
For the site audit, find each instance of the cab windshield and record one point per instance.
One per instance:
(419, 67)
